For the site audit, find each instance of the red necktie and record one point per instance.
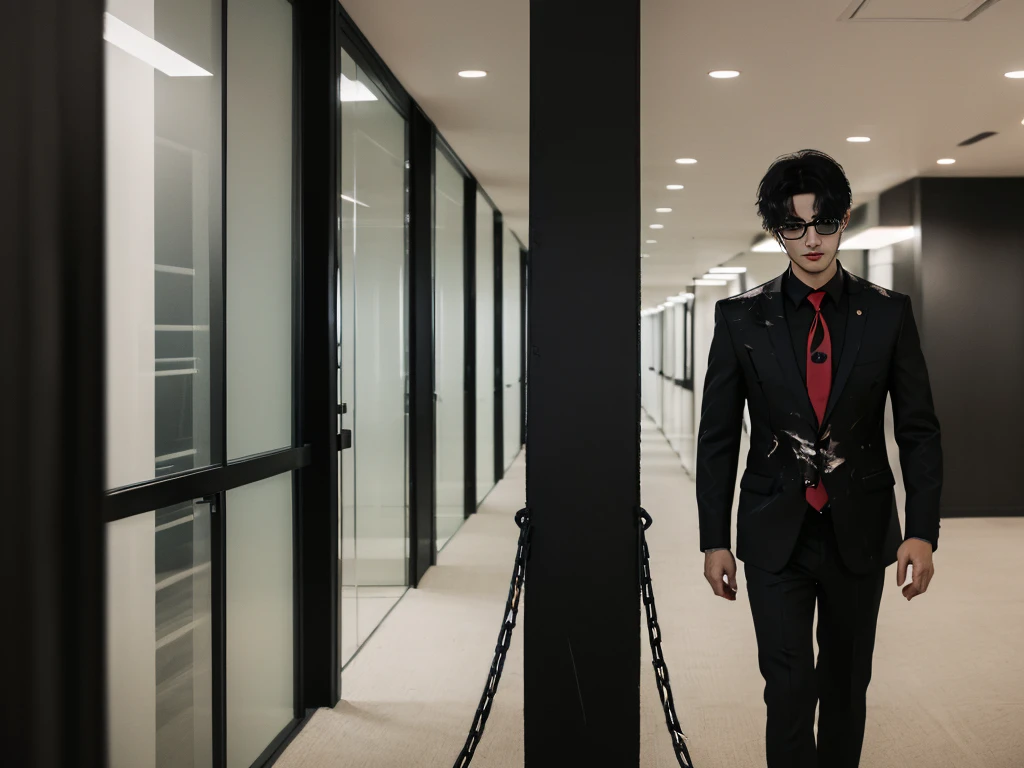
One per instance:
(819, 382)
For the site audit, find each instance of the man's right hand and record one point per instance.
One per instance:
(717, 566)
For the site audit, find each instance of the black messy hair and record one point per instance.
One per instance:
(806, 171)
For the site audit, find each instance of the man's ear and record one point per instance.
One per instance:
(846, 219)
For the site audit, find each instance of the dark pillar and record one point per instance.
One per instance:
(582, 622)
(422, 532)
(318, 564)
(51, 389)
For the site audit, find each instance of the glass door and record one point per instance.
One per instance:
(373, 338)
(449, 346)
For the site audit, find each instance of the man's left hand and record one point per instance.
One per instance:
(918, 554)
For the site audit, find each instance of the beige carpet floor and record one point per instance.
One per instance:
(947, 689)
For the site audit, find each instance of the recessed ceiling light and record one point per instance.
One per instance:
(472, 73)
(675, 187)
(724, 74)
(686, 161)
(657, 226)
(946, 161)
(1018, 75)
(651, 242)
(858, 139)
(663, 210)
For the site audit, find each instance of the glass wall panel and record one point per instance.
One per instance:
(159, 639)
(484, 347)
(259, 226)
(259, 613)
(511, 350)
(449, 346)
(162, 228)
(374, 354)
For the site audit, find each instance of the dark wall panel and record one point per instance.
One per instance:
(972, 326)
(970, 249)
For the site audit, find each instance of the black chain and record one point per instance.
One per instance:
(515, 591)
(660, 667)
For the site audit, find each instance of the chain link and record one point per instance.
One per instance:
(515, 591)
(658, 658)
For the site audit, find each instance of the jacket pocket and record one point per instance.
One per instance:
(878, 480)
(755, 483)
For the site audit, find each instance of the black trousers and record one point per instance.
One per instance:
(782, 605)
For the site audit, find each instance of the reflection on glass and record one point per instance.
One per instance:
(259, 613)
(449, 347)
(484, 347)
(511, 350)
(159, 639)
(374, 373)
(162, 224)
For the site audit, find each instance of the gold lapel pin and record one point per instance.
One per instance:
(859, 312)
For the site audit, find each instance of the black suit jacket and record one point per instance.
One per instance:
(752, 359)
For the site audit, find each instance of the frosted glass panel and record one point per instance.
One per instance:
(259, 613)
(511, 350)
(162, 139)
(259, 226)
(484, 347)
(449, 347)
(159, 639)
(374, 352)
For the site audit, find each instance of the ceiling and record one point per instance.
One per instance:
(917, 88)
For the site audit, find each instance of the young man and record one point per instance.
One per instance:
(813, 353)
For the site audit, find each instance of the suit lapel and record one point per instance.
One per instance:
(856, 318)
(772, 317)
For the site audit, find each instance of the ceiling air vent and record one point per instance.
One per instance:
(915, 10)
(975, 139)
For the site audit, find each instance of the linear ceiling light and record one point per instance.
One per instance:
(728, 270)
(651, 242)
(146, 49)
(946, 161)
(674, 187)
(724, 74)
(719, 276)
(877, 237)
(663, 210)
(768, 245)
(705, 281)
(352, 200)
(354, 90)
(657, 226)
(1018, 75)
(472, 73)
(858, 139)
(686, 161)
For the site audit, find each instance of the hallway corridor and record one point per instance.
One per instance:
(943, 698)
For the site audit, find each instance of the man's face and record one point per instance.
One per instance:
(813, 252)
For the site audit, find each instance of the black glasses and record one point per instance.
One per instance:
(795, 230)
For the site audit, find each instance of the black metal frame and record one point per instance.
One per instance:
(499, 359)
(469, 296)
(422, 417)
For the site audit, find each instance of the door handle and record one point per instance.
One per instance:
(344, 439)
